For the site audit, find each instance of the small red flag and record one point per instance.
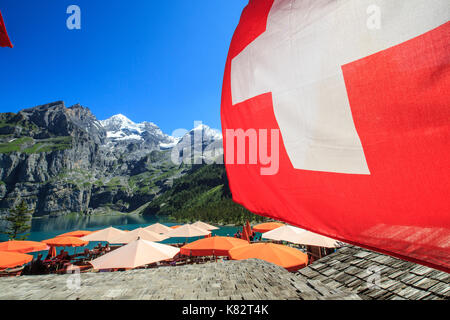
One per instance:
(4, 39)
(249, 229)
(245, 235)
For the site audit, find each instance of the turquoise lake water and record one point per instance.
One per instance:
(47, 228)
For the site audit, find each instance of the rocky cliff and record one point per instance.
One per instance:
(62, 160)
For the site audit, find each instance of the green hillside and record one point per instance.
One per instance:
(203, 194)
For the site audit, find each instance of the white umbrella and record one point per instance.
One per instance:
(300, 236)
(104, 235)
(135, 254)
(138, 233)
(158, 228)
(187, 231)
(204, 226)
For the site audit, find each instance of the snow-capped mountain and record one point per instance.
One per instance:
(71, 162)
(200, 135)
(207, 133)
(121, 130)
(201, 144)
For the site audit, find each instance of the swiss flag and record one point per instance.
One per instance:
(360, 94)
(4, 39)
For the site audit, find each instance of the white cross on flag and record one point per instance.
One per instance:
(360, 93)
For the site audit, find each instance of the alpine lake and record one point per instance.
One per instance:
(47, 228)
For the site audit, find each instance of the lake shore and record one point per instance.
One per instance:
(168, 219)
(43, 228)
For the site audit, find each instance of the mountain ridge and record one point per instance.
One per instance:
(62, 160)
(120, 128)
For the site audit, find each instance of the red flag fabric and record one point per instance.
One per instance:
(4, 38)
(335, 117)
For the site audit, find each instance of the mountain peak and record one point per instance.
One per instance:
(202, 127)
(208, 132)
(118, 118)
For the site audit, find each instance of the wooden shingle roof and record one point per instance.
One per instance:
(236, 280)
(373, 275)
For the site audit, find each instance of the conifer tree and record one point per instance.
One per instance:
(18, 219)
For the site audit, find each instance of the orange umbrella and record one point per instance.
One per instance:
(266, 227)
(22, 246)
(13, 259)
(284, 256)
(76, 234)
(66, 242)
(218, 246)
(174, 227)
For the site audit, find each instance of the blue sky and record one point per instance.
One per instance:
(159, 61)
